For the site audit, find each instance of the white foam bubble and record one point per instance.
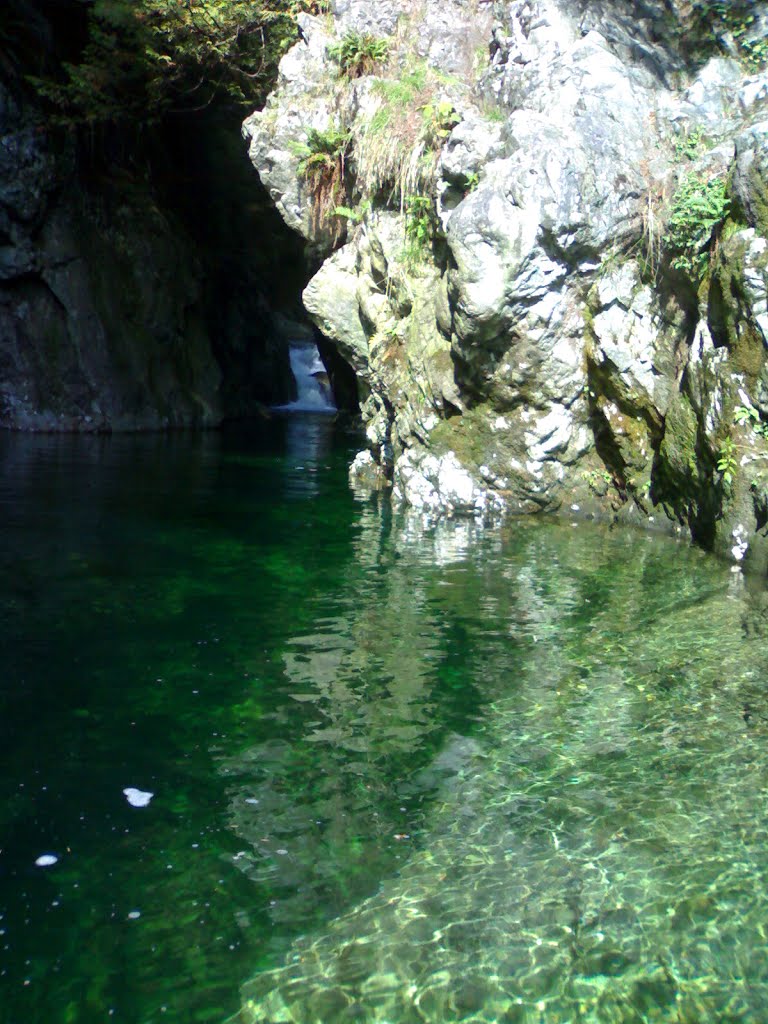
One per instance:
(46, 859)
(137, 797)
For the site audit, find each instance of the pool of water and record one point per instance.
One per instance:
(400, 771)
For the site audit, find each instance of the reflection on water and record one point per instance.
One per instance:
(308, 445)
(597, 848)
(399, 772)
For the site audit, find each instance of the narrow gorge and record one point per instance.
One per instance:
(384, 503)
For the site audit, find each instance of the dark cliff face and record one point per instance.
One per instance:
(132, 292)
(101, 322)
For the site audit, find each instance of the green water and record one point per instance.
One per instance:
(400, 771)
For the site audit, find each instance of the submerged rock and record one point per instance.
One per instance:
(576, 861)
(551, 284)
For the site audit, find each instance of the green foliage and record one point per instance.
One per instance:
(439, 120)
(420, 223)
(359, 54)
(494, 113)
(592, 476)
(726, 462)
(748, 415)
(323, 149)
(480, 59)
(323, 165)
(143, 57)
(391, 147)
(689, 145)
(405, 91)
(598, 480)
(698, 207)
(355, 215)
(755, 53)
(738, 19)
(396, 150)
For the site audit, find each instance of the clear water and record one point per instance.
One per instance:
(401, 772)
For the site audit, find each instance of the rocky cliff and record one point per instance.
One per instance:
(122, 306)
(544, 226)
(100, 319)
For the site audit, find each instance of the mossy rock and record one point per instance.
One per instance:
(470, 436)
(749, 179)
(678, 453)
(730, 310)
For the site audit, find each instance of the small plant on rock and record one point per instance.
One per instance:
(740, 19)
(755, 53)
(439, 121)
(471, 181)
(420, 222)
(598, 480)
(359, 54)
(698, 208)
(748, 415)
(726, 463)
(355, 215)
(323, 159)
(689, 145)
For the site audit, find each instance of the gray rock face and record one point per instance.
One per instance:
(100, 324)
(750, 175)
(116, 313)
(571, 334)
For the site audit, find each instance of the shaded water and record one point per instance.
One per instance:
(400, 772)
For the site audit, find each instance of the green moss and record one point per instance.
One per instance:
(678, 449)
(749, 353)
(633, 441)
(732, 225)
(730, 313)
(758, 194)
(469, 436)
(589, 312)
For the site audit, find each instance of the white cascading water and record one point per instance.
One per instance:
(313, 390)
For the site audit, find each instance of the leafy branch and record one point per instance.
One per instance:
(142, 58)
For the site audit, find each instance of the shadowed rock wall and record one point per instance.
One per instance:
(140, 269)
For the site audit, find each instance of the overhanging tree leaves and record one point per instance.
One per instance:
(144, 57)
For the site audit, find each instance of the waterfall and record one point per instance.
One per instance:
(313, 389)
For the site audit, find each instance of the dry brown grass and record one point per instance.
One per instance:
(396, 149)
